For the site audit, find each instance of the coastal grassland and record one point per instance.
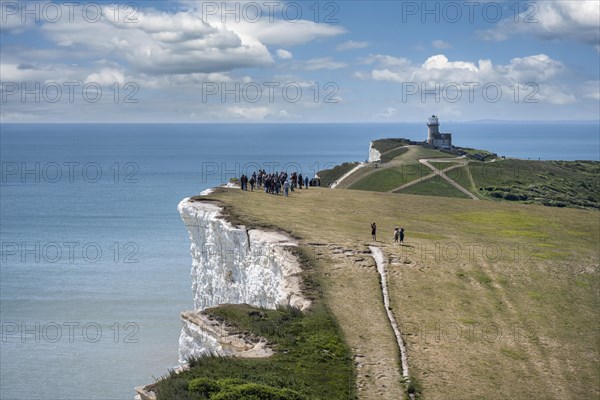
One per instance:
(436, 186)
(394, 153)
(387, 179)
(311, 360)
(497, 300)
(385, 145)
(443, 165)
(462, 176)
(551, 183)
(403, 168)
(329, 176)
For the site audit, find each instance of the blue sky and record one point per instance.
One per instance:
(260, 61)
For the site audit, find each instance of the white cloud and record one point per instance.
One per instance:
(106, 76)
(538, 68)
(183, 43)
(163, 43)
(324, 63)
(284, 33)
(14, 19)
(351, 45)
(284, 54)
(591, 90)
(387, 61)
(561, 20)
(440, 44)
(538, 75)
(251, 113)
(389, 112)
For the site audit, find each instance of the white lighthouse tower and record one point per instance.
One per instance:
(434, 137)
(433, 126)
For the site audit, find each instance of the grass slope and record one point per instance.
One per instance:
(402, 169)
(551, 183)
(435, 186)
(496, 300)
(329, 176)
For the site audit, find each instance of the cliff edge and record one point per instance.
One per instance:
(233, 265)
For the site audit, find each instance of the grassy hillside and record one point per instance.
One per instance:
(550, 183)
(391, 173)
(435, 187)
(329, 176)
(497, 300)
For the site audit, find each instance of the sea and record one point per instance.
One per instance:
(95, 262)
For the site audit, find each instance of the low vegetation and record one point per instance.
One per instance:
(384, 145)
(311, 360)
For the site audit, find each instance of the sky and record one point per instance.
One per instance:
(299, 61)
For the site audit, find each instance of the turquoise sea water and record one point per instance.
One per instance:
(95, 259)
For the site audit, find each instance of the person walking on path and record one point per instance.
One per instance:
(374, 231)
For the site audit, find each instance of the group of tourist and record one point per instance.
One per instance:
(398, 234)
(277, 182)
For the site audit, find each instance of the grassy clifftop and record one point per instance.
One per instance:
(549, 183)
(496, 300)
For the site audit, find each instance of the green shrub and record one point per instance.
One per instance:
(511, 197)
(205, 386)
(254, 391)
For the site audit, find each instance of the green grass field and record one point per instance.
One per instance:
(497, 300)
(390, 155)
(443, 165)
(386, 179)
(384, 145)
(550, 183)
(403, 168)
(435, 187)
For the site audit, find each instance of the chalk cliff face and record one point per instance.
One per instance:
(233, 265)
(374, 154)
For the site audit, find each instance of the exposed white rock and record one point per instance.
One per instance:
(374, 154)
(234, 265)
(215, 337)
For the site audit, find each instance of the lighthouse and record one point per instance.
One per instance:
(434, 137)
(433, 126)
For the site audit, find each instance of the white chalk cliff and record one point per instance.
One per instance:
(233, 265)
(374, 154)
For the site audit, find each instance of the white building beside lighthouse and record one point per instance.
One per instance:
(434, 137)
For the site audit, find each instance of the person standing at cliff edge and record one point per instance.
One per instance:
(374, 231)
